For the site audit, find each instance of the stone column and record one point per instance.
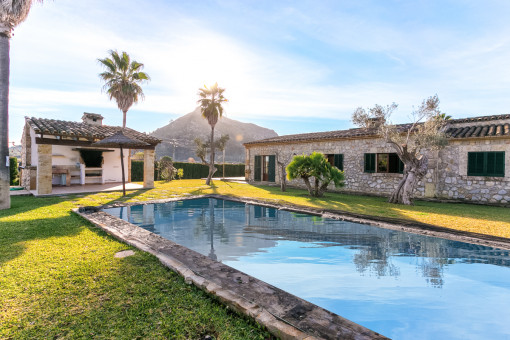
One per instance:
(247, 168)
(148, 169)
(44, 175)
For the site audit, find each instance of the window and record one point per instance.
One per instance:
(486, 164)
(336, 160)
(383, 162)
(265, 168)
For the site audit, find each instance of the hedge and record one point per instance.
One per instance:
(136, 171)
(13, 169)
(191, 170)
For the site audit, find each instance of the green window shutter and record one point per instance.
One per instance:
(401, 166)
(471, 163)
(339, 162)
(486, 164)
(500, 164)
(370, 162)
(496, 164)
(258, 168)
(476, 163)
(271, 171)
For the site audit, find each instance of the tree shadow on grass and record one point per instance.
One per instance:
(14, 234)
(378, 206)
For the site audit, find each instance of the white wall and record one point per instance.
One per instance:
(35, 156)
(112, 171)
(65, 156)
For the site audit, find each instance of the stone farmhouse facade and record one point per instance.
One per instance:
(474, 166)
(57, 152)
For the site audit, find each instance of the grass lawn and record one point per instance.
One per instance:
(59, 279)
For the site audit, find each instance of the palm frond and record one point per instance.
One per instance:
(122, 78)
(12, 13)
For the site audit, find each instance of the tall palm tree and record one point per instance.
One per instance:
(122, 80)
(211, 100)
(12, 13)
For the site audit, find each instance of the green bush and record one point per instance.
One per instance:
(315, 166)
(180, 173)
(136, 171)
(13, 168)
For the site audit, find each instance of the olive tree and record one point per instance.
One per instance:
(410, 141)
(317, 168)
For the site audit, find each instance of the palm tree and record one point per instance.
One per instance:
(12, 13)
(210, 101)
(122, 80)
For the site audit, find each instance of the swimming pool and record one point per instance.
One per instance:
(402, 285)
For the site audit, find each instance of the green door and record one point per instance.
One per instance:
(258, 168)
(339, 161)
(271, 169)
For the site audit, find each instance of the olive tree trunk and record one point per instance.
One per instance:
(212, 169)
(415, 169)
(5, 201)
(283, 173)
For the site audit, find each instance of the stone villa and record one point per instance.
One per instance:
(57, 152)
(474, 166)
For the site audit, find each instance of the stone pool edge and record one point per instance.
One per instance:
(377, 221)
(283, 314)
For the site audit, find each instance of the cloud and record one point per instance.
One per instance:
(276, 61)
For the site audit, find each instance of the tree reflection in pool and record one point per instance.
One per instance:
(402, 285)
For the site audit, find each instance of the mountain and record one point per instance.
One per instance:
(185, 129)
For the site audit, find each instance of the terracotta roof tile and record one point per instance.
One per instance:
(483, 131)
(480, 119)
(74, 129)
(474, 131)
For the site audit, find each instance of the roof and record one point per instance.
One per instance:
(479, 131)
(94, 132)
(480, 119)
(500, 129)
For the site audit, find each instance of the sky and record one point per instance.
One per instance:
(292, 66)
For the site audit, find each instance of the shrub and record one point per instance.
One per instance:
(13, 168)
(317, 166)
(180, 173)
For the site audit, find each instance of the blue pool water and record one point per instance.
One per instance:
(402, 285)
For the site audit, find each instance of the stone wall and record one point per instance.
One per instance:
(446, 177)
(454, 183)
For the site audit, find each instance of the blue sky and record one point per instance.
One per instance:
(293, 66)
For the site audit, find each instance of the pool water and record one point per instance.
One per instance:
(402, 285)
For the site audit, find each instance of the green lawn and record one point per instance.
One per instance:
(59, 279)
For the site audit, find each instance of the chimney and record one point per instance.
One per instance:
(374, 123)
(92, 119)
